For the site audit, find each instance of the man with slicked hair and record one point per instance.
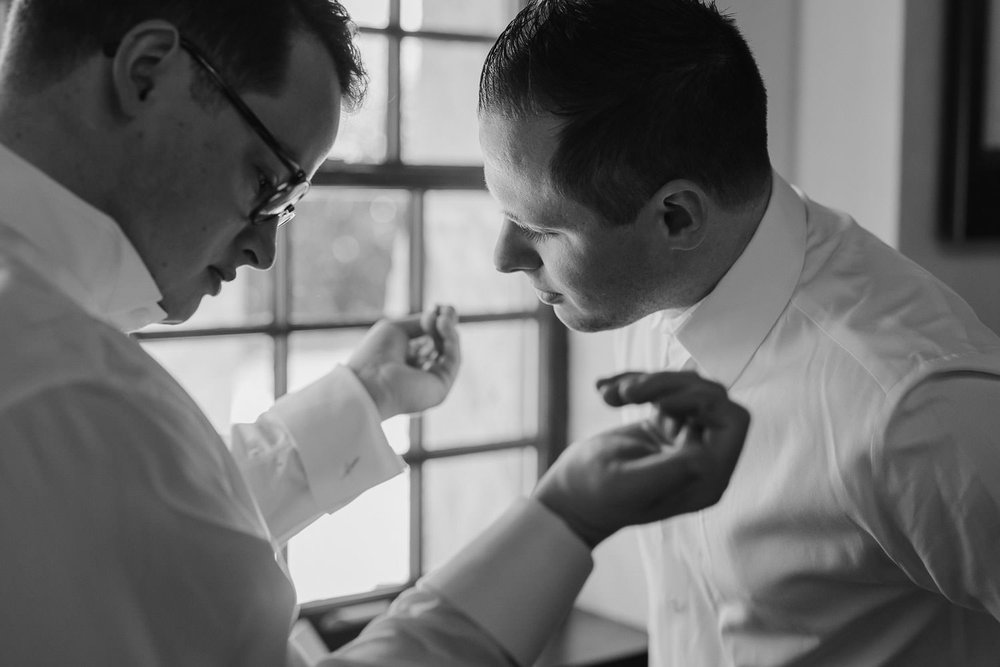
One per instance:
(149, 148)
(626, 142)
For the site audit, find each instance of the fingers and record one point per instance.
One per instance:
(429, 324)
(646, 387)
(433, 322)
(438, 327)
(412, 325)
(707, 429)
(610, 388)
(683, 395)
(434, 342)
(716, 429)
(676, 480)
(660, 472)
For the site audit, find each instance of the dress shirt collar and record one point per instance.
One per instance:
(724, 330)
(670, 320)
(77, 247)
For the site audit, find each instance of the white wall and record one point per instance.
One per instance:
(849, 123)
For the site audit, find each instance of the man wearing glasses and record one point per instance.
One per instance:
(149, 149)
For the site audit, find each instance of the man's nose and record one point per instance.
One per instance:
(259, 244)
(513, 252)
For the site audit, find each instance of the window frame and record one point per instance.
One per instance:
(969, 205)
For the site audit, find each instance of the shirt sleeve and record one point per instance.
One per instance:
(314, 452)
(123, 544)
(493, 605)
(937, 477)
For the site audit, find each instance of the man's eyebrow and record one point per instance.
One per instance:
(510, 216)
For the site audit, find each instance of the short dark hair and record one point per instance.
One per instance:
(649, 90)
(248, 41)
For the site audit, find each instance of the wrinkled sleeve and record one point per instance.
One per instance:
(938, 475)
(493, 605)
(122, 545)
(315, 451)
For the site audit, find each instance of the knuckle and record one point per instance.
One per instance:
(742, 414)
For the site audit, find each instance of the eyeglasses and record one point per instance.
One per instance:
(280, 201)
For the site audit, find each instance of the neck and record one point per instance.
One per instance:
(54, 130)
(731, 233)
(749, 218)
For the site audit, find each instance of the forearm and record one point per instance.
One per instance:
(495, 604)
(421, 628)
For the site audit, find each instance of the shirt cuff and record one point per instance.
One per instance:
(338, 434)
(518, 579)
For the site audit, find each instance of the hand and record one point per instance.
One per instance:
(409, 364)
(635, 474)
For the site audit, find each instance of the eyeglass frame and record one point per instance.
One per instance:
(289, 192)
(292, 190)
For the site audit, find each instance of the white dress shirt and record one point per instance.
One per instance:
(862, 523)
(134, 537)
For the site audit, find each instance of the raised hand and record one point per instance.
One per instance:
(409, 364)
(679, 461)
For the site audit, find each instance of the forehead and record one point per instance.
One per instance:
(524, 145)
(304, 114)
(516, 157)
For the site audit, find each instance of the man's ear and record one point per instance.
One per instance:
(680, 210)
(145, 60)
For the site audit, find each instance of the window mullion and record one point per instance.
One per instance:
(393, 116)
(553, 390)
(281, 309)
(417, 278)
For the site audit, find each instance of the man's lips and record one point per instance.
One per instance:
(223, 274)
(549, 298)
(220, 276)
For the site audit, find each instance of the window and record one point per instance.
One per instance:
(397, 219)
(971, 206)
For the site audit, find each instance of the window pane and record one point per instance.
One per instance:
(244, 302)
(496, 394)
(463, 495)
(373, 13)
(311, 355)
(485, 17)
(440, 90)
(349, 255)
(461, 229)
(359, 548)
(361, 137)
(231, 377)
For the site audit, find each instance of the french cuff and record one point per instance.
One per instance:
(517, 581)
(338, 434)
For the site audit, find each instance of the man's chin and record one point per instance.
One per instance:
(179, 310)
(594, 321)
(583, 322)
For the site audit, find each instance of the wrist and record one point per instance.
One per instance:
(562, 507)
(373, 386)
